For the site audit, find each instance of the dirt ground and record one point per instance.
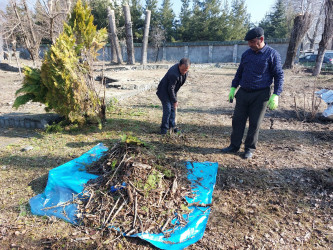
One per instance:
(280, 199)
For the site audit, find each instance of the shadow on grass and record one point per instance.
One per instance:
(20, 133)
(288, 114)
(38, 185)
(34, 162)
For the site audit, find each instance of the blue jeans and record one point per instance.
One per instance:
(168, 118)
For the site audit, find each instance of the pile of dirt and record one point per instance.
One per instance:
(135, 192)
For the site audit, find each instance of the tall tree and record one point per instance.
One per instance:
(316, 28)
(239, 20)
(204, 25)
(302, 24)
(198, 22)
(223, 23)
(183, 26)
(154, 16)
(99, 11)
(137, 20)
(129, 35)
(50, 16)
(167, 17)
(28, 28)
(145, 38)
(213, 12)
(275, 23)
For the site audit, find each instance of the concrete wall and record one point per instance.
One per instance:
(203, 52)
(199, 52)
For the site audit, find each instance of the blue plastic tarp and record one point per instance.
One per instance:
(67, 181)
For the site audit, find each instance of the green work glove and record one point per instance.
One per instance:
(273, 102)
(231, 94)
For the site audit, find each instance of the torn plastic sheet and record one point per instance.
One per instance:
(67, 181)
(327, 96)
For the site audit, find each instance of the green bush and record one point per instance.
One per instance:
(65, 82)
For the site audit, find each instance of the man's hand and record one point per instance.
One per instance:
(175, 105)
(273, 102)
(231, 94)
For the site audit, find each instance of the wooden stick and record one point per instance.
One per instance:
(135, 208)
(166, 223)
(90, 198)
(129, 193)
(115, 214)
(106, 221)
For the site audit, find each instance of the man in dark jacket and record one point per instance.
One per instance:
(167, 93)
(259, 66)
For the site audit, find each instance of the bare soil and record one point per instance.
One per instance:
(280, 199)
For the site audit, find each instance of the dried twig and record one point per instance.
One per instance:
(121, 206)
(115, 205)
(166, 223)
(135, 208)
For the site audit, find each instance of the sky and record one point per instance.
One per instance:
(257, 8)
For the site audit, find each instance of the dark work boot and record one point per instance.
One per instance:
(248, 154)
(230, 149)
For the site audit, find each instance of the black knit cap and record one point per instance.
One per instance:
(254, 33)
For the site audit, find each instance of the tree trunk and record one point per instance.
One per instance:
(145, 38)
(113, 29)
(302, 24)
(1, 43)
(129, 35)
(326, 37)
(112, 45)
(113, 51)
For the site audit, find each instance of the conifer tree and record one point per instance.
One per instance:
(223, 32)
(183, 27)
(167, 17)
(99, 11)
(239, 20)
(198, 24)
(137, 20)
(152, 6)
(275, 23)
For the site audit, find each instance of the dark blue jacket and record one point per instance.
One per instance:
(257, 70)
(170, 84)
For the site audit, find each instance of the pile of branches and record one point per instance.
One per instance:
(134, 192)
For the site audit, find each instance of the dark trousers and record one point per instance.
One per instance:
(169, 115)
(252, 106)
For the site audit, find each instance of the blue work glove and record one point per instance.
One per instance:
(231, 94)
(273, 102)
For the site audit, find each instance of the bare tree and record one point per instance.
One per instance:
(157, 39)
(29, 26)
(312, 39)
(1, 42)
(326, 37)
(129, 35)
(28, 29)
(51, 14)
